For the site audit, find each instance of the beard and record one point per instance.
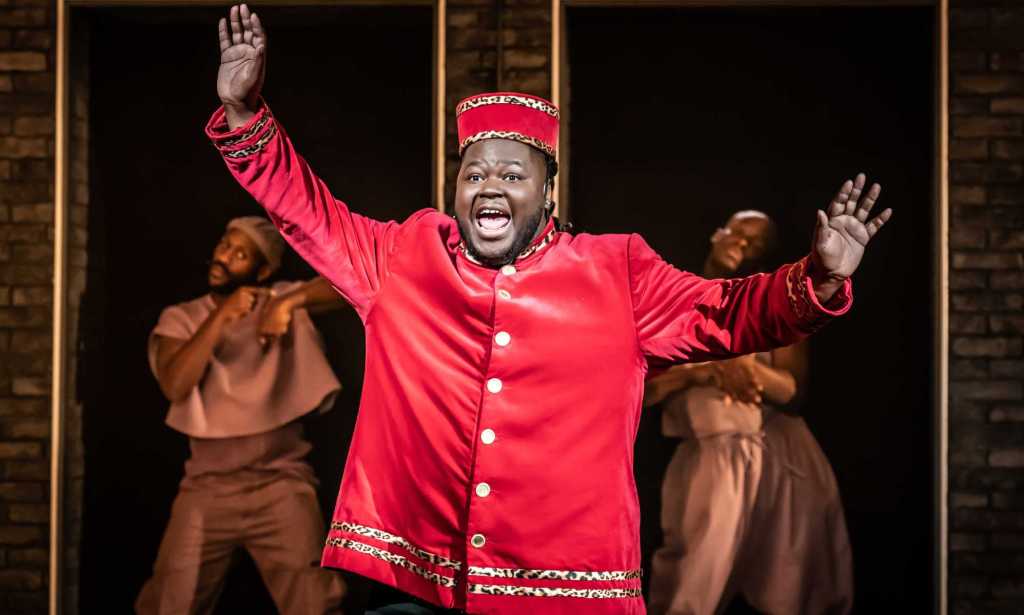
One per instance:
(522, 240)
(234, 282)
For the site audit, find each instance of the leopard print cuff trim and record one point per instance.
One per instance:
(561, 575)
(248, 134)
(391, 558)
(391, 539)
(506, 99)
(551, 592)
(255, 147)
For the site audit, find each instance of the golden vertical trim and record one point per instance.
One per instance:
(60, 196)
(942, 297)
(440, 58)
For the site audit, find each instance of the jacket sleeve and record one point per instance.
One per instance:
(684, 317)
(351, 251)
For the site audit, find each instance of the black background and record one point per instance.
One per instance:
(681, 117)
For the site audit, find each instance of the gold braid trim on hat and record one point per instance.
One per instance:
(506, 134)
(506, 99)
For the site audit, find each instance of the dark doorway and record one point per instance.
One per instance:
(358, 107)
(680, 117)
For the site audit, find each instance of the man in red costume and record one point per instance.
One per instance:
(491, 466)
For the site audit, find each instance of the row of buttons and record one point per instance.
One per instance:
(494, 385)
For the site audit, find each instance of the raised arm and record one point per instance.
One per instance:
(681, 317)
(349, 250)
(243, 66)
(842, 235)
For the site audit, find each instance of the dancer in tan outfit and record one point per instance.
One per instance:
(240, 365)
(749, 503)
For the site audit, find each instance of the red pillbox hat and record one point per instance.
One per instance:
(508, 115)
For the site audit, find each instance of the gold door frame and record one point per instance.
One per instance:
(59, 360)
(940, 190)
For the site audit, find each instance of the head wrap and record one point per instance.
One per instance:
(264, 235)
(508, 115)
(749, 213)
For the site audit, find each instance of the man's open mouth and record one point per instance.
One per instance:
(492, 222)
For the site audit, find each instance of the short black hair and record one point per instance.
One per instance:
(551, 165)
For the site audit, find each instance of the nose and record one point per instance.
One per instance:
(491, 188)
(220, 257)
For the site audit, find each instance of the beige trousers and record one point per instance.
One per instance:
(277, 522)
(753, 515)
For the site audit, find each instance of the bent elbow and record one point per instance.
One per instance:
(173, 393)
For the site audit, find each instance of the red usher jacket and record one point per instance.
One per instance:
(491, 467)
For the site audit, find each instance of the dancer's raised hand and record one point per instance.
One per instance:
(843, 233)
(243, 54)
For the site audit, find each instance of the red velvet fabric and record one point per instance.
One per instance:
(510, 115)
(528, 379)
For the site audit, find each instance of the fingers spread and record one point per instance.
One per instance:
(869, 201)
(858, 188)
(877, 222)
(839, 201)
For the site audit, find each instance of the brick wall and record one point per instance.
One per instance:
(987, 308)
(26, 255)
(493, 45)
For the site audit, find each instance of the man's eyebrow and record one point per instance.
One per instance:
(500, 162)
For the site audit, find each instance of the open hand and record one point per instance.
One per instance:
(243, 54)
(844, 232)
